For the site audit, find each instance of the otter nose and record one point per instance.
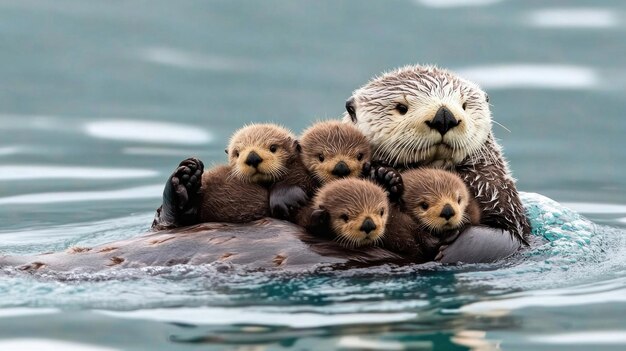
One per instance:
(447, 212)
(368, 225)
(253, 159)
(444, 121)
(341, 169)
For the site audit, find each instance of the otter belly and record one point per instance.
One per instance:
(263, 244)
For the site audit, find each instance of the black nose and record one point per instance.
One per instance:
(253, 159)
(447, 212)
(444, 121)
(368, 225)
(341, 169)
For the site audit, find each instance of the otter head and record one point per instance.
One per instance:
(436, 198)
(354, 209)
(421, 114)
(260, 153)
(333, 150)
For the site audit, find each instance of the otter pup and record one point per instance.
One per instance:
(427, 116)
(258, 154)
(434, 208)
(328, 151)
(351, 211)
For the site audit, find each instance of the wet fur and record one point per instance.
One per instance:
(406, 141)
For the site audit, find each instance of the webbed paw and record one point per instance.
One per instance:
(389, 178)
(286, 200)
(180, 205)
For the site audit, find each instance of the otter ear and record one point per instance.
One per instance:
(350, 108)
(296, 146)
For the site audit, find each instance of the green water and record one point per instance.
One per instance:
(100, 100)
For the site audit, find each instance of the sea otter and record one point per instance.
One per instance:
(259, 155)
(435, 206)
(419, 116)
(350, 211)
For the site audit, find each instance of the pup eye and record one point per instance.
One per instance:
(382, 212)
(344, 217)
(321, 157)
(273, 148)
(464, 105)
(236, 153)
(402, 108)
(424, 205)
(359, 156)
(459, 200)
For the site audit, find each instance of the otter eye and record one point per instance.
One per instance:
(273, 148)
(464, 105)
(459, 200)
(402, 108)
(382, 211)
(424, 205)
(359, 156)
(236, 153)
(321, 157)
(344, 217)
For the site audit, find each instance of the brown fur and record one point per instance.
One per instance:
(226, 198)
(237, 193)
(436, 188)
(334, 142)
(262, 139)
(348, 203)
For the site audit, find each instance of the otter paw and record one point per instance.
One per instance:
(389, 179)
(286, 200)
(186, 182)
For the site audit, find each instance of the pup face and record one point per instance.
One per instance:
(357, 210)
(421, 114)
(333, 150)
(436, 198)
(259, 153)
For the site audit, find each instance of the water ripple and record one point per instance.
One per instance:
(148, 131)
(573, 18)
(540, 76)
(23, 172)
(142, 192)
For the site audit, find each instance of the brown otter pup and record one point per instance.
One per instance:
(351, 211)
(328, 151)
(258, 154)
(435, 207)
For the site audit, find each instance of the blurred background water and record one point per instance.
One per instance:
(99, 101)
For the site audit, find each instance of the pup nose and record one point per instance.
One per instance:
(447, 212)
(444, 121)
(368, 225)
(253, 159)
(341, 169)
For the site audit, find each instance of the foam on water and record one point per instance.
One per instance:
(23, 172)
(573, 18)
(48, 345)
(148, 132)
(526, 75)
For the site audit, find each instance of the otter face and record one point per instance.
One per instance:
(259, 153)
(333, 150)
(437, 199)
(421, 114)
(357, 211)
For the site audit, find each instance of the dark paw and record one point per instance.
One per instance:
(389, 179)
(180, 205)
(285, 201)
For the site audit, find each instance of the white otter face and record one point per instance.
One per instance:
(421, 114)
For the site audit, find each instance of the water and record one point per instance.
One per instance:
(100, 100)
